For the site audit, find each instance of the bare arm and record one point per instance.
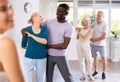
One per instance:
(63, 45)
(78, 31)
(10, 61)
(40, 40)
(99, 38)
(24, 38)
(87, 35)
(77, 36)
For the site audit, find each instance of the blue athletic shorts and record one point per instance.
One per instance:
(95, 50)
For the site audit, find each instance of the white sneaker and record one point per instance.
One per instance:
(91, 77)
(82, 77)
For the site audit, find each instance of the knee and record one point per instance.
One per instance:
(89, 60)
(103, 58)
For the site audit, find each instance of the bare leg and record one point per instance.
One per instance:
(104, 63)
(96, 63)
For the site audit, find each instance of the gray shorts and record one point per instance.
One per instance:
(95, 50)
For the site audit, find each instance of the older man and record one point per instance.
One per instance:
(98, 43)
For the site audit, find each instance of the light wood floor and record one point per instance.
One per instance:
(113, 73)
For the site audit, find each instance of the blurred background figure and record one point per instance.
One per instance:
(9, 61)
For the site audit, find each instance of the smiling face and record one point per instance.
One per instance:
(6, 16)
(100, 17)
(61, 13)
(86, 22)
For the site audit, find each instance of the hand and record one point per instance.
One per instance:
(47, 46)
(78, 29)
(23, 31)
(92, 40)
(28, 34)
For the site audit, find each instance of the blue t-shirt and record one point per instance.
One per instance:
(35, 50)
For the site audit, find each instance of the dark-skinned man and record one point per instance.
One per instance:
(59, 36)
(60, 32)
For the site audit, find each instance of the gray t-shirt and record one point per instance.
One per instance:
(99, 29)
(56, 33)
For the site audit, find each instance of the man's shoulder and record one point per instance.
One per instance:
(69, 25)
(104, 23)
(94, 23)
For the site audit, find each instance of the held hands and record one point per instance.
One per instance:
(92, 40)
(78, 30)
(28, 34)
(47, 46)
(23, 31)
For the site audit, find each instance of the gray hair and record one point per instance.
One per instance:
(85, 19)
(101, 12)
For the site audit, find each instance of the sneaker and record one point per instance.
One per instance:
(82, 77)
(94, 74)
(103, 76)
(91, 77)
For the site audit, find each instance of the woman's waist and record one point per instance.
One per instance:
(82, 42)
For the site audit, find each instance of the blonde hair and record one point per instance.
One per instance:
(30, 21)
(85, 19)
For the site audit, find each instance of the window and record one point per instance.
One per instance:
(91, 7)
(70, 15)
(115, 20)
(84, 12)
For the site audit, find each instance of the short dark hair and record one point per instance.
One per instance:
(64, 6)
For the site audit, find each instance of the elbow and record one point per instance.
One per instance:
(64, 47)
(77, 37)
(45, 42)
(104, 37)
(24, 47)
